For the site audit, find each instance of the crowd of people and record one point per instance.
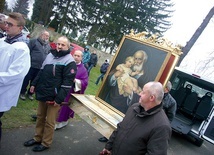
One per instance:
(53, 74)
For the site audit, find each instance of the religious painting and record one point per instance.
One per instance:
(135, 63)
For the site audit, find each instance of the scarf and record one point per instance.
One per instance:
(11, 40)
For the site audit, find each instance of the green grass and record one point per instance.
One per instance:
(92, 87)
(20, 116)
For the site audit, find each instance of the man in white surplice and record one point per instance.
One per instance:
(15, 62)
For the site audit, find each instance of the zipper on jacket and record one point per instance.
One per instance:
(55, 91)
(54, 70)
(54, 73)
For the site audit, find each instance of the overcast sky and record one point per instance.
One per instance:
(188, 16)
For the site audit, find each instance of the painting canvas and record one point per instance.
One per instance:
(135, 63)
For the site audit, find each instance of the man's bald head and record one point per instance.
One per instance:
(78, 56)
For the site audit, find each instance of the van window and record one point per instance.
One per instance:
(200, 91)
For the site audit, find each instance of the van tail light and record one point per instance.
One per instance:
(197, 76)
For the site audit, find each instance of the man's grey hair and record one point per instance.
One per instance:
(169, 85)
(68, 41)
(156, 89)
(81, 53)
(43, 31)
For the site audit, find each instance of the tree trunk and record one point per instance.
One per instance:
(196, 35)
(2, 2)
(64, 17)
(49, 10)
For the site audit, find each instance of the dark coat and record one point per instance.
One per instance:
(115, 99)
(2, 34)
(104, 67)
(56, 77)
(93, 59)
(141, 132)
(38, 52)
(169, 106)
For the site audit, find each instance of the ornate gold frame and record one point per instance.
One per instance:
(156, 47)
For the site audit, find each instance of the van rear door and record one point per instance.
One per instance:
(207, 129)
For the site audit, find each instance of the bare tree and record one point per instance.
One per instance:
(196, 35)
(206, 66)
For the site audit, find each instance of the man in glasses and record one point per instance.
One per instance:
(14, 25)
(15, 62)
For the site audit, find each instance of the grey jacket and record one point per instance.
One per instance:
(38, 52)
(169, 106)
(141, 132)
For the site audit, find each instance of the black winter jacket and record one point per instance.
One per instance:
(2, 33)
(56, 77)
(141, 132)
(93, 59)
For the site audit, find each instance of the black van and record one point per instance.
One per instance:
(195, 112)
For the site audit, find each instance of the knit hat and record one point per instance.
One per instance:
(86, 47)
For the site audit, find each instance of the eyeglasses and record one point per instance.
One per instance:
(10, 24)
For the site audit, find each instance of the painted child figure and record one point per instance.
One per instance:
(125, 79)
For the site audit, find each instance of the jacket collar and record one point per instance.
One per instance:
(142, 113)
(42, 42)
(14, 39)
(61, 53)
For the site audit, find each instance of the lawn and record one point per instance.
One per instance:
(20, 116)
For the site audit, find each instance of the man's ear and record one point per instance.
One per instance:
(21, 28)
(152, 97)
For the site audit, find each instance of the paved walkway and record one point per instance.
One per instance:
(78, 138)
